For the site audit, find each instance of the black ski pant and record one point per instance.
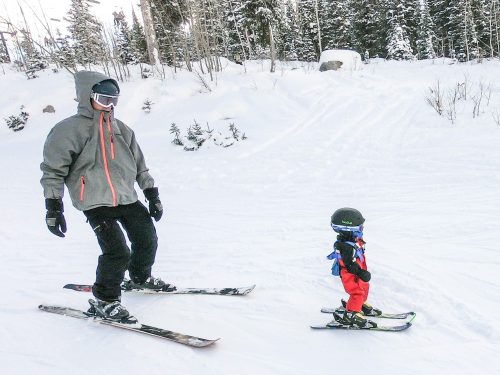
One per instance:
(116, 256)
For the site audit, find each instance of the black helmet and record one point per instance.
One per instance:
(347, 217)
(106, 87)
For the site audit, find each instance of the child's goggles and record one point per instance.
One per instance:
(357, 231)
(105, 100)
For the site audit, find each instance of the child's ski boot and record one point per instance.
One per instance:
(369, 310)
(366, 309)
(351, 318)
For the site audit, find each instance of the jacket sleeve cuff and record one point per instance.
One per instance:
(151, 193)
(54, 204)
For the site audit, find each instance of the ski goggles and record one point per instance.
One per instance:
(356, 231)
(105, 100)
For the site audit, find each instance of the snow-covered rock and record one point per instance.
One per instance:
(344, 59)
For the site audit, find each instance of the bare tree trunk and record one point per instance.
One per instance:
(185, 48)
(149, 31)
(496, 27)
(248, 42)
(319, 28)
(465, 28)
(491, 29)
(273, 49)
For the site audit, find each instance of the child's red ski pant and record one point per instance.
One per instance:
(354, 286)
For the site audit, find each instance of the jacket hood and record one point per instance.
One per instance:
(84, 81)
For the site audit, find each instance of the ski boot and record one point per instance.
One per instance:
(350, 318)
(110, 310)
(152, 283)
(369, 310)
(366, 309)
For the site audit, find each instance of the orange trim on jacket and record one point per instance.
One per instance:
(105, 159)
(82, 188)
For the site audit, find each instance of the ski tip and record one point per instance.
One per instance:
(250, 288)
(201, 343)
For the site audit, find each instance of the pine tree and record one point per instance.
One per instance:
(86, 33)
(369, 29)
(33, 59)
(481, 11)
(237, 43)
(290, 33)
(4, 53)
(63, 53)
(462, 34)
(438, 10)
(168, 18)
(398, 41)
(425, 34)
(410, 10)
(138, 44)
(398, 46)
(123, 37)
(310, 31)
(261, 20)
(336, 24)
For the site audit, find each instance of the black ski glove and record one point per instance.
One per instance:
(55, 218)
(364, 275)
(155, 206)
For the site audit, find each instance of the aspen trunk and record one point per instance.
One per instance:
(273, 49)
(149, 31)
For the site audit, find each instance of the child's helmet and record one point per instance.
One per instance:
(347, 220)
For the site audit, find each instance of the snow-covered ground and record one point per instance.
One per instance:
(258, 212)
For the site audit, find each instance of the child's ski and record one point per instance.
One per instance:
(340, 310)
(193, 341)
(239, 291)
(335, 325)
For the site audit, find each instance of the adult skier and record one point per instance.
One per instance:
(350, 265)
(98, 158)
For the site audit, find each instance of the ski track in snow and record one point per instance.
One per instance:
(258, 212)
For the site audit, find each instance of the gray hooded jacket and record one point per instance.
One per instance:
(94, 154)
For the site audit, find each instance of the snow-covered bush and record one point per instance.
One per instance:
(435, 98)
(146, 106)
(177, 133)
(16, 123)
(460, 98)
(196, 136)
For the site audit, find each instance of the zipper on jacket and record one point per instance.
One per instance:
(105, 159)
(111, 140)
(82, 188)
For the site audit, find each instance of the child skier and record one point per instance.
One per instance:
(350, 264)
